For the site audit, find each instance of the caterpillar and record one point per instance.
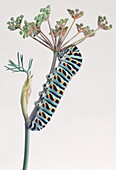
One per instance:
(70, 61)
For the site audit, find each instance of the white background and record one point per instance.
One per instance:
(82, 132)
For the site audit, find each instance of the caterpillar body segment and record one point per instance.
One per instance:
(70, 61)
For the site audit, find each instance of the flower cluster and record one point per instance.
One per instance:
(62, 22)
(103, 23)
(29, 29)
(75, 14)
(15, 24)
(88, 31)
(43, 16)
(60, 28)
(60, 31)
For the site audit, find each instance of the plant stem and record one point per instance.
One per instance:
(51, 33)
(68, 31)
(39, 41)
(60, 38)
(70, 39)
(26, 150)
(25, 94)
(42, 43)
(53, 62)
(46, 38)
(42, 40)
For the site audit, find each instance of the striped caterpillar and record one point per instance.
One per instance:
(70, 61)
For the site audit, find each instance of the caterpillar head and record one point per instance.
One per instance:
(62, 53)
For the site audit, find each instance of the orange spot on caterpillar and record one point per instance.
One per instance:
(61, 70)
(41, 113)
(48, 96)
(37, 121)
(66, 64)
(70, 59)
(72, 52)
(50, 108)
(52, 86)
(66, 75)
(77, 62)
(62, 82)
(44, 104)
(54, 99)
(58, 90)
(72, 70)
(56, 77)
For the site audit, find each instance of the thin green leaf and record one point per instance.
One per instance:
(10, 61)
(21, 56)
(18, 58)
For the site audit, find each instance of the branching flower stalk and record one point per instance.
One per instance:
(58, 37)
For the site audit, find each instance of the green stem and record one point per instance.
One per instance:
(25, 94)
(26, 151)
(53, 62)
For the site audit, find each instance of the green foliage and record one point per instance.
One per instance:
(19, 66)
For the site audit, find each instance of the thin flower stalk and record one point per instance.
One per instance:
(70, 39)
(51, 33)
(42, 43)
(46, 38)
(68, 31)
